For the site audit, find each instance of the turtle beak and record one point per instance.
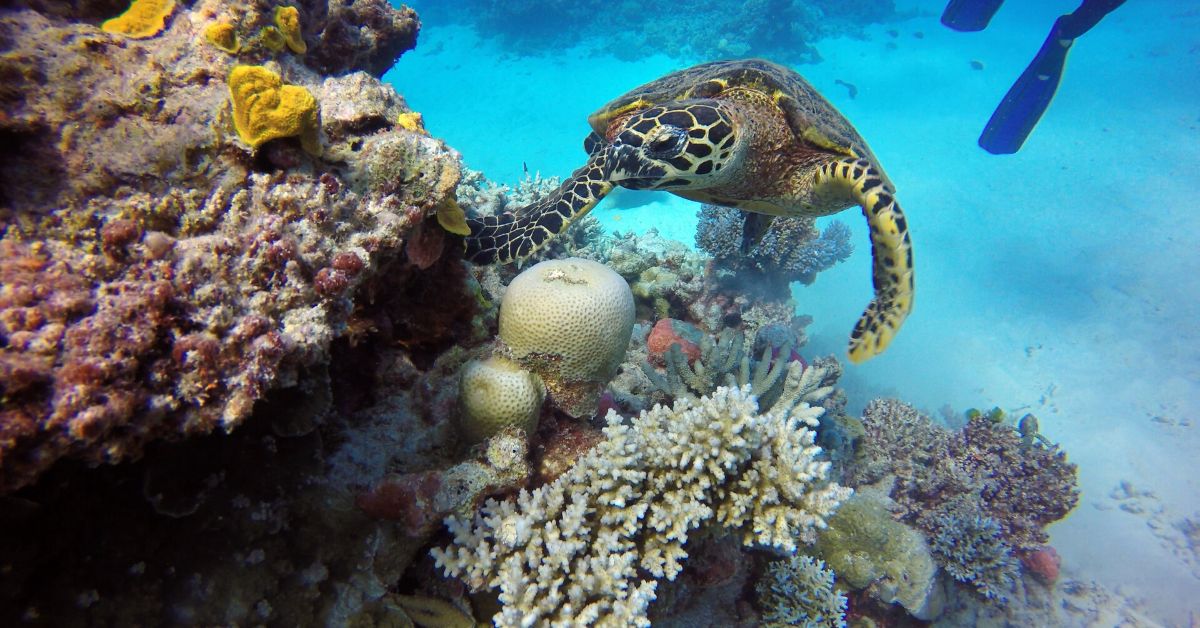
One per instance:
(616, 165)
(625, 166)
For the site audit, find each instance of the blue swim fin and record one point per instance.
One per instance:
(1029, 97)
(970, 15)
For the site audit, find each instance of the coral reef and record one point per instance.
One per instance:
(667, 278)
(160, 290)
(799, 591)
(792, 249)
(971, 549)
(251, 527)
(347, 35)
(865, 547)
(1022, 487)
(783, 29)
(495, 394)
(650, 484)
(569, 321)
(420, 501)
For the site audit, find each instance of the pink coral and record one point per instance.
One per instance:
(664, 336)
(1043, 562)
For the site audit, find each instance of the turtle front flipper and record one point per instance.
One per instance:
(514, 236)
(891, 249)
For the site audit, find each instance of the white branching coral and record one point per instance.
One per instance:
(588, 548)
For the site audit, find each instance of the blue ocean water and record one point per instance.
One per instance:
(1062, 280)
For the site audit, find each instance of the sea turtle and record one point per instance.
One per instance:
(748, 134)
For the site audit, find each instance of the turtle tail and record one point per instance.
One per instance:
(891, 250)
(513, 236)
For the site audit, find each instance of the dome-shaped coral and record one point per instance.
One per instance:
(497, 393)
(569, 321)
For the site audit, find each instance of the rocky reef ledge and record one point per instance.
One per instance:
(189, 195)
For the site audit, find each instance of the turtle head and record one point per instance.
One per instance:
(679, 146)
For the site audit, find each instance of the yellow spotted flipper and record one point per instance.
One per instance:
(891, 249)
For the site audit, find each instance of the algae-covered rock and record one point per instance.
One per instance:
(169, 252)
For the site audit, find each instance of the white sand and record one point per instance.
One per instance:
(1064, 280)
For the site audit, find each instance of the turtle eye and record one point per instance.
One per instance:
(667, 144)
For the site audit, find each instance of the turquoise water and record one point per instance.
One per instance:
(1063, 280)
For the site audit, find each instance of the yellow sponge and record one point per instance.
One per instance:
(222, 35)
(495, 394)
(265, 109)
(287, 19)
(143, 18)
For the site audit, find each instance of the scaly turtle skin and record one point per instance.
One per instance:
(747, 134)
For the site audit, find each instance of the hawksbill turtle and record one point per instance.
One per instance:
(749, 134)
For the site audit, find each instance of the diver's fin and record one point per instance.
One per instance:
(754, 227)
(970, 15)
(513, 236)
(1027, 100)
(891, 251)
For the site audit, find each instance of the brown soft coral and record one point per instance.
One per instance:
(1024, 487)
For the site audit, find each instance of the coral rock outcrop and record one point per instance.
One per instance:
(159, 275)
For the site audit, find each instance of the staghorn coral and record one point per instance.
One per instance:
(778, 372)
(160, 290)
(144, 18)
(650, 484)
(799, 591)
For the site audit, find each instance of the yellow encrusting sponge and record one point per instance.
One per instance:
(143, 18)
(287, 20)
(222, 35)
(265, 109)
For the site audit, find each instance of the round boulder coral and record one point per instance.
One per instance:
(495, 394)
(569, 321)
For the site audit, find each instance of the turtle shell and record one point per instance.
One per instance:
(816, 123)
